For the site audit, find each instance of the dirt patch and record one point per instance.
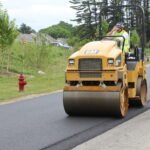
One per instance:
(9, 74)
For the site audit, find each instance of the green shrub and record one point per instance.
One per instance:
(135, 38)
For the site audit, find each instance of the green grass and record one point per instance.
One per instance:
(52, 62)
(51, 81)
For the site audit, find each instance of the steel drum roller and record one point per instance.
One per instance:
(91, 103)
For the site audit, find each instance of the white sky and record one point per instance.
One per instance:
(39, 13)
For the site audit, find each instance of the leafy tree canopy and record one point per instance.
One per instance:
(60, 30)
(8, 33)
(8, 29)
(25, 29)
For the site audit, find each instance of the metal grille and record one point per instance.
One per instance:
(90, 64)
(90, 74)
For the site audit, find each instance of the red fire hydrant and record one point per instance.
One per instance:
(22, 83)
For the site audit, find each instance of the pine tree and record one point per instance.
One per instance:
(115, 14)
(87, 16)
(135, 14)
(146, 5)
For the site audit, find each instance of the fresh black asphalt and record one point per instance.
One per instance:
(41, 124)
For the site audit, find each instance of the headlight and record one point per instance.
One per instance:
(71, 61)
(110, 61)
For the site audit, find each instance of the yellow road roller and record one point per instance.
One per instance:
(101, 79)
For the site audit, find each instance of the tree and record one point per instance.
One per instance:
(25, 29)
(87, 16)
(8, 33)
(146, 5)
(60, 30)
(115, 15)
(136, 15)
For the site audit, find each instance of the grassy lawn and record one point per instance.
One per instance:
(53, 63)
(51, 81)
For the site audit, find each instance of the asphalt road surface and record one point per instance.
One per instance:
(41, 124)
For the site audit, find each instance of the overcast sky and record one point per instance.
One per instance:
(39, 13)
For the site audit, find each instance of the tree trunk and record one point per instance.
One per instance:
(8, 59)
(2, 60)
